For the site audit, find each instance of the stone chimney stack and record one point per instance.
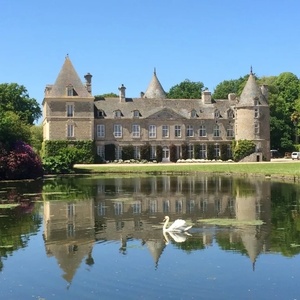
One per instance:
(88, 82)
(206, 97)
(122, 89)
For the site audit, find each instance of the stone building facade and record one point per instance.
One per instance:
(193, 126)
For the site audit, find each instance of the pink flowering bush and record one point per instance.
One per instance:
(20, 162)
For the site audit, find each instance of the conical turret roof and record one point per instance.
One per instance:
(68, 77)
(155, 89)
(251, 92)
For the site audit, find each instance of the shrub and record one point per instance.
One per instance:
(242, 148)
(21, 162)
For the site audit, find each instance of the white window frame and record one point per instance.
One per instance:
(203, 151)
(136, 130)
(217, 131)
(100, 130)
(101, 151)
(230, 114)
(118, 131)
(202, 130)
(136, 114)
(177, 131)
(217, 114)
(189, 131)
(190, 151)
(230, 132)
(165, 131)
(217, 152)
(152, 131)
(118, 152)
(153, 152)
(70, 110)
(70, 130)
(118, 114)
(136, 152)
(193, 113)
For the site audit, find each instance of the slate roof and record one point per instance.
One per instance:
(179, 108)
(66, 77)
(250, 92)
(155, 89)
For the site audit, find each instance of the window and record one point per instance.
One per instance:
(256, 113)
(202, 151)
(101, 208)
(202, 130)
(70, 110)
(256, 102)
(177, 131)
(216, 130)
(153, 206)
(70, 90)
(136, 152)
(70, 130)
(152, 131)
(118, 152)
(118, 207)
(136, 207)
(217, 150)
(256, 128)
(100, 131)
(230, 114)
(229, 151)
(230, 131)
(189, 130)
(101, 151)
(153, 152)
(217, 114)
(190, 151)
(136, 114)
(136, 130)
(193, 113)
(117, 130)
(100, 114)
(166, 206)
(118, 114)
(165, 131)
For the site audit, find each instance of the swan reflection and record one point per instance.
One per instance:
(178, 237)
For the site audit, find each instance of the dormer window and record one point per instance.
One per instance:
(256, 102)
(100, 113)
(217, 114)
(230, 114)
(193, 113)
(70, 91)
(136, 114)
(118, 114)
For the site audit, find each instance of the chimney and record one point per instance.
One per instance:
(142, 94)
(122, 89)
(206, 97)
(88, 82)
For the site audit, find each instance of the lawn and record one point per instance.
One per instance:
(286, 169)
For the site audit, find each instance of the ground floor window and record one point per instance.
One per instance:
(136, 153)
(101, 151)
(153, 152)
(118, 153)
(202, 151)
(217, 150)
(190, 151)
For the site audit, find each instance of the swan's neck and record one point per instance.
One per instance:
(166, 224)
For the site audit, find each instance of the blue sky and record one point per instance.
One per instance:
(122, 41)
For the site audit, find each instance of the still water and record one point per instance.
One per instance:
(101, 238)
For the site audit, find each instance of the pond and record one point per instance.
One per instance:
(101, 238)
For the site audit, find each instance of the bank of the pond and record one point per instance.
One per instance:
(283, 169)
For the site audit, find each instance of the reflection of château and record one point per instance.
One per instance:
(132, 208)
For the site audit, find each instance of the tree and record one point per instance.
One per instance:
(15, 98)
(12, 129)
(103, 96)
(36, 137)
(230, 86)
(186, 90)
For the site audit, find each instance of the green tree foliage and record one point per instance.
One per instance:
(15, 98)
(242, 148)
(145, 151)
(186, 90)
(12, 129)
(230, 86)
(103, 96)
(36, 138)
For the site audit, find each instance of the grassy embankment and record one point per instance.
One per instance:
(267, 169)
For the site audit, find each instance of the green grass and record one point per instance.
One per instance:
(272, 169)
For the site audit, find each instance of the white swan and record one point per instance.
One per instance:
(178, 237)
(178, 226)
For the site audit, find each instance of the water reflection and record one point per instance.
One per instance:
(127, 209)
